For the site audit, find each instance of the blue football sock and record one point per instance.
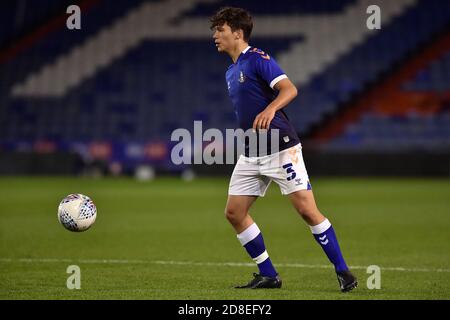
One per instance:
(326, 237)
(252, 240)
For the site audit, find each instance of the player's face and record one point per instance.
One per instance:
(224, 38)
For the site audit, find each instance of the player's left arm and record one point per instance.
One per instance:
(287, 92)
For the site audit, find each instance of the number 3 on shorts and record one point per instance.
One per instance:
(289, 170)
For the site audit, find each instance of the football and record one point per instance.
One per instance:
(77, 212)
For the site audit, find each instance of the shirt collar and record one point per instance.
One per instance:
(242, 53)
(245, 50)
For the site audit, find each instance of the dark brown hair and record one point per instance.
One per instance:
(236, 18)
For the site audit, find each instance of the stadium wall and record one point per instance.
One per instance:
(12, 163)
(319, 163)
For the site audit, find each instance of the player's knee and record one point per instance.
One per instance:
(230, 214)
(233, 214)
(307, 210)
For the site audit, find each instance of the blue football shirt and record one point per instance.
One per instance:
(251, 80)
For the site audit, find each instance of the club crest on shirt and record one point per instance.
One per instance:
(241, 77)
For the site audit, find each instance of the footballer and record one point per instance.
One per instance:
(259, 90)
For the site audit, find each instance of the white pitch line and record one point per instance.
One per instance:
(207, 264)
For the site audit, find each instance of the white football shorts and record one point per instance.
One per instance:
(252, 175)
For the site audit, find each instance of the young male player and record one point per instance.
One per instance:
(259, 89)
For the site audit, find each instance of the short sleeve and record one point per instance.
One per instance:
(268, 69)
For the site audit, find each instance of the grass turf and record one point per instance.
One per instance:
(168, 239)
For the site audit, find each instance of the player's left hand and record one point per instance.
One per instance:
(263, 120)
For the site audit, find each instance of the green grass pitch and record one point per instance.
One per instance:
(168, 239)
